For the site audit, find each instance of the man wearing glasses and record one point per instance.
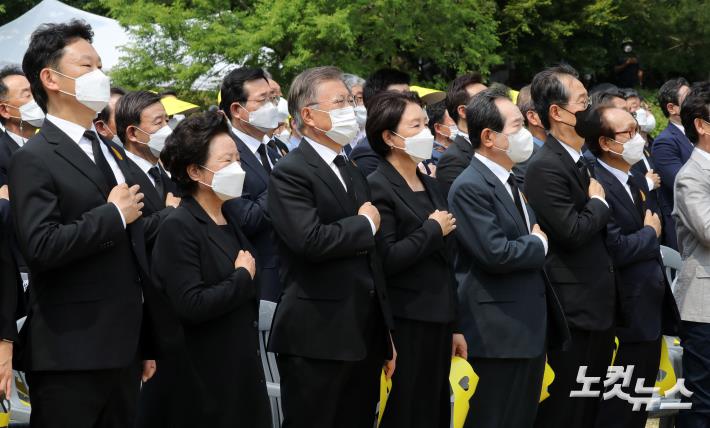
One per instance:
(251, 107)
(330, 330)
(633, 240)
(571, 207)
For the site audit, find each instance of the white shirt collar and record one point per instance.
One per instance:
(620, 175)
(497, 170)
(16, 138)
(702, 152)
(574, 154)
(143, 164)
(679, 126)
(464, 135)
(74, 132)
(250, 141)
(326, 153)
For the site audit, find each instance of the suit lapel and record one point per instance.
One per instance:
(501, 194)
(250, 161)
(565, 158)
(213, 232)
(326, 174)
(617, 191)
(464, 145)
(74, 155)
(402, 189)
(11, 144)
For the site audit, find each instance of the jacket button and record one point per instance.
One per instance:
(611, 269)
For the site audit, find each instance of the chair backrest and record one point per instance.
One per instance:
(672, 262)
(268, 361)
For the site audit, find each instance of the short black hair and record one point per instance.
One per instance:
(384, 114)
(457, 96)
(436, 113)
(189, 144)
(669, 93)
(630, 93)
(129, 109)
(105, 113)
(604, 98)
(232, 89)
(10, 70)
(595, 127)
(547, 89)
(380, 80)
(482, 112)
(525, 103)
(47, 48)
(696, 105)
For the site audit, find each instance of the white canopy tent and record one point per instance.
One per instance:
(109, 36)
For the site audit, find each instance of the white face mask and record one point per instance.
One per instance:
(628, 48)
(633, 150)
(30, 113)
(520, 145)
(92, 89)
(343, 127)
(418, 147)
(227, 183)
(645, 119)
(157, 139)
(361, 116)
(282, 108)
(265, 118)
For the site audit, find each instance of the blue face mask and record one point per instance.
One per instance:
(436, 154)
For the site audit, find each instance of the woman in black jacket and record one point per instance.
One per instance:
(416, 247)
(204, 264)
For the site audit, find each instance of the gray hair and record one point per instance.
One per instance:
(352, 80)
(304, 89)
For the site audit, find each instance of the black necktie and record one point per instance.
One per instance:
(99, 158)
(342, 165)
(636, 196)
(513, 183)
(264, 158)
(159, 186)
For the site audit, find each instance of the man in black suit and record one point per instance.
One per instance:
(83, 243)
(274, 141)
(571, 208)
(385, 79)
(503, 290)
(632, 238)
(330, 329)
(248, 103)
(458, 155)
(105, 121)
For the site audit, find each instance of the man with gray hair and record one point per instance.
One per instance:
(331, 327)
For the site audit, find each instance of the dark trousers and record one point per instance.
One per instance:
(325, 393)
(507, 394)
(695, 339)
(645, 357)
(587, 348)
(420, 385)
(84, 399)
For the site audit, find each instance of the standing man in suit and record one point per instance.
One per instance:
(502, 286)
(671, 150)
(458, 155)
(633, 239)
(330, 329)
(533, 125)
(19, 114)
(385, 79)
(105, 121)
(692, 219)
(571, 208)
(251, 108)
(82, 344)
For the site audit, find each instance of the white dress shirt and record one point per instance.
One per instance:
(502, 174)
(16, 138)
(143, 164)
(620, 175)
(705, 154)
(76, 133)
(328, 157)
(575, 155)
(253, 144)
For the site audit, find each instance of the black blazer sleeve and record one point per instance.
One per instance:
(176, 266)
(8, 280)
(398, 255)
(249, 213)
(295, 218)
(365, 158)
(45, 242)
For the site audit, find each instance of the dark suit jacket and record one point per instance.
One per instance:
(364, 157)
(251, 212)
(519, 169)
(11, 291)
(329, 261)
(671, 150)
(218, 306)
(578, 263)
(645, 295)
(417, 258)
(503, 290)
(452, 163)
(8, 146)
(85, 304)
